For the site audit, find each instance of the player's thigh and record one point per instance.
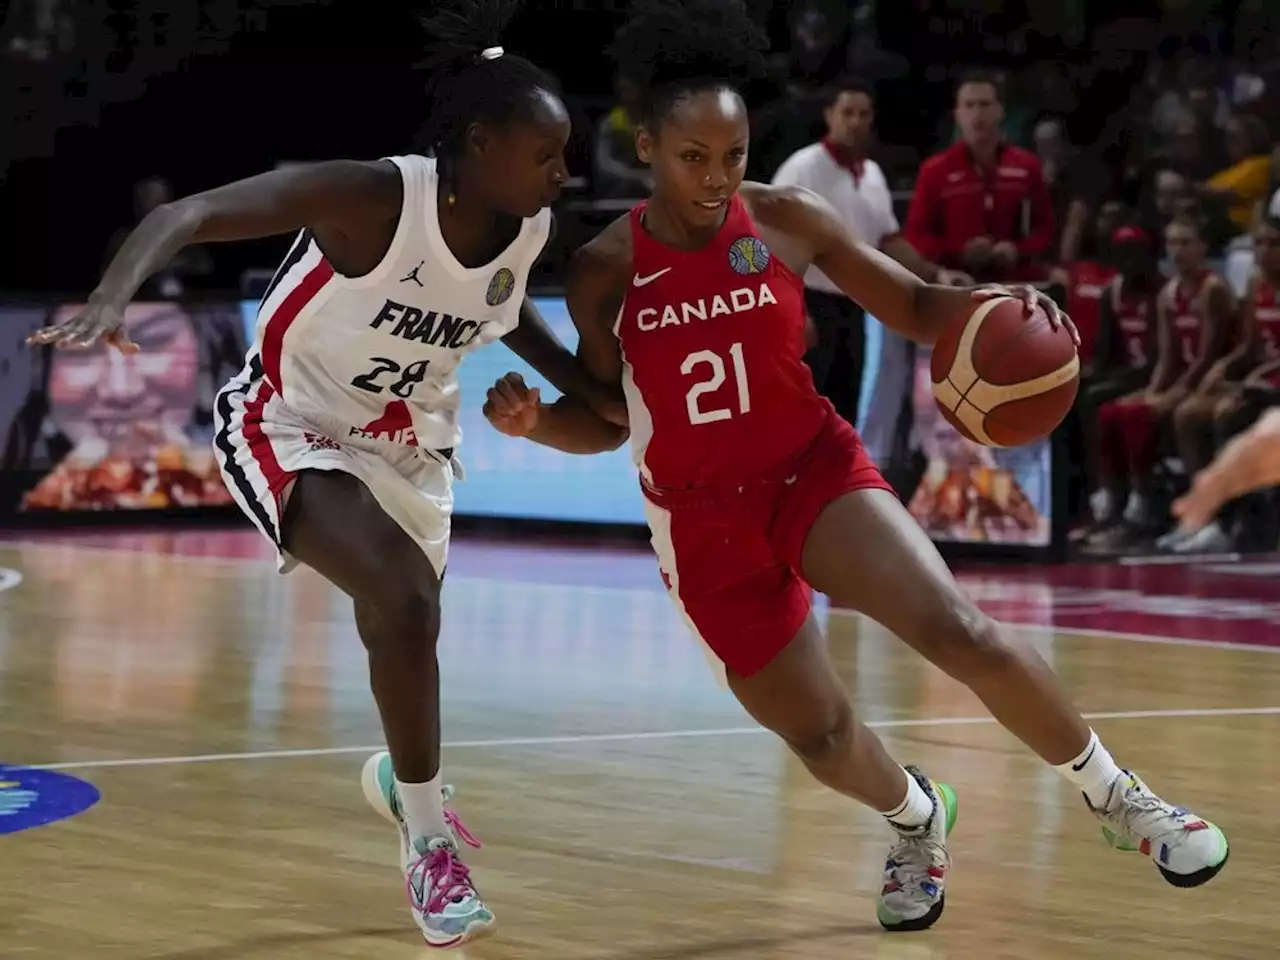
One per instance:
(1196, 409)
(720, 572)
(1110, 388)
(867, 553)
(336, 525)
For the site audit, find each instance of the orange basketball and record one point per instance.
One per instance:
(1002, 378)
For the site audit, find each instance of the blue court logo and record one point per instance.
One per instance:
(501, 287)
(36, 798)
(748, 256)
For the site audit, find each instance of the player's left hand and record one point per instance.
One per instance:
(512, 406)
(1031, 298)
(1249, 462)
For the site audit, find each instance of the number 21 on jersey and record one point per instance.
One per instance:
(694, 363)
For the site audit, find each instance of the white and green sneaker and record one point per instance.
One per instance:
(1187, 849)
(446, 906)
(915, 874)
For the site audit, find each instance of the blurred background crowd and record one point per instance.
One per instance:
(1127, 158)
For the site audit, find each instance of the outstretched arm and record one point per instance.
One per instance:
(884, 288)
(351, 205)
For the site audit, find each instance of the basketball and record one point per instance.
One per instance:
(1002, 378)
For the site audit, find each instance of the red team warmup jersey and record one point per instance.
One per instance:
(1086, 285)
(737, 452)
(1188, 324)
(713, 341)
(1266, 312)
(1135, 327)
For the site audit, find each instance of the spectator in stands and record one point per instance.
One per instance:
(982, 205)
(1119, 366)
(1242, 398)
(1242, 186)
(1171, 188)
(838, 169)
(1197, 151)
(1193, 315)
(189, 266)
(618, 170)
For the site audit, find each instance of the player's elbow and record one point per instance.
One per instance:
(188, 218)
(613, 438)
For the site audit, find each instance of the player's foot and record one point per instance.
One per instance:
(1188, 850)
(446, 906)
(915, 875)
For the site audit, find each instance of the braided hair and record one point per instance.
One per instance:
(670, 49)
(472, 79)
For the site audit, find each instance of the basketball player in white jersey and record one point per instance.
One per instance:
(338, 437)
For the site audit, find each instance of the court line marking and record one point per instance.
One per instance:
(9, 579)
(571, 739)
(603, 589)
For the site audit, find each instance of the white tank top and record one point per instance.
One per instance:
(375, 358)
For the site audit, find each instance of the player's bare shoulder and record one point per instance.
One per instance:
(795, 221)
(599, 272)
(787, 207)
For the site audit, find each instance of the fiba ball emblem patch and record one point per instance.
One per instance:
(748, 256)
(500, 288)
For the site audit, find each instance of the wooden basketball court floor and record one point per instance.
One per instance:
(629, 808)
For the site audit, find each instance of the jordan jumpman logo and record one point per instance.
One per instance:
(413, 274)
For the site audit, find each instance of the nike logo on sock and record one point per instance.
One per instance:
(1077, 767)
(639, 281)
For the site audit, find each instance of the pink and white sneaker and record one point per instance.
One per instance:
(444, 901)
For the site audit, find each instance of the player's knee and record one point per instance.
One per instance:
(404, 603)
(825, 736)
(1190, 415)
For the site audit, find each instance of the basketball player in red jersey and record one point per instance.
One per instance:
(754, 488)
(416, 259)
(1243, 400)
(1086, 282)
(1121, 366)
(1193, 315)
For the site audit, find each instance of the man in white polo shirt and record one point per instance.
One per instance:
(838, 170)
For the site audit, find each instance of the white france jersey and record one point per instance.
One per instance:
(375, 358)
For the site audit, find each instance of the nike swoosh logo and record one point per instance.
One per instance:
(639, 281)
(1077, 767)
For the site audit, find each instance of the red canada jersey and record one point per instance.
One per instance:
(1184, 313)
(1087, 282)
(1135, 327)
(712, 345)
(1266, 313)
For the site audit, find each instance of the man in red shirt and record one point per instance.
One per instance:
(982, 205)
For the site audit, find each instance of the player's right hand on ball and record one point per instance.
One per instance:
(97, 321)
(512, 406)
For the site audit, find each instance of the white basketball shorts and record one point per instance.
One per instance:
(261, 445)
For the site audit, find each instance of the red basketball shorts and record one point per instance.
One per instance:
(731, 556)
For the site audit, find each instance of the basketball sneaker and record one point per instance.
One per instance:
(445, 904)
(1188, 850)
(915, 875)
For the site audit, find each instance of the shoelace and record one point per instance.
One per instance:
(444, 878)
(914, 861)
(460, 830)
(1139, 803)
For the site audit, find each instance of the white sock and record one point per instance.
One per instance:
(1093, 771)
(423, 807)
(914, 810)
